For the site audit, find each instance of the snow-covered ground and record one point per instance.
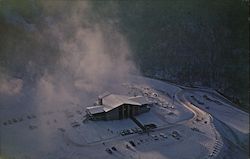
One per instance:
(28, 132)
(232, 116)
(233, 122)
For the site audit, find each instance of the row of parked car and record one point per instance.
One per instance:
(195, 129)
(132, 143)
(130, 131)
(110, 150)
(176, 135)
(19, 119)
(113, 148)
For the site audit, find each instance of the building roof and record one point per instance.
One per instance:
(95, 109)
(139, 99)
(111, 101)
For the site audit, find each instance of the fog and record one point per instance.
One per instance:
(72, 55)
(8, 85)
(91, 55)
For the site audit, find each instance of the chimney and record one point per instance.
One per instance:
(100, 97)
(100, 101)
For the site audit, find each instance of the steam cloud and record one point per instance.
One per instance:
(87, 56)
(93, 55)
(9, 85)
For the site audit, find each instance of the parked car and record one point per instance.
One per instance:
(195, 129)
(140, 131)
(128, 147)
(132, 143)
(155, 137)
(14, 120)
(163, 135)
(109, 151)
(31, 127)
(150, 126)
(135, 130)
(176, 135)
(123, 133)
(113, 148)
(75, 124)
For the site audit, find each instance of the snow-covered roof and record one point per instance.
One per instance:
(139, 99)
(114, 101)
(95, 109)
(111, 101)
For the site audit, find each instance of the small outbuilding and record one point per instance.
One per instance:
(113, 107)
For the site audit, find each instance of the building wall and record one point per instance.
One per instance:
(143, 109)
(113, 114)
(126, 111)
(98, 116)
(122, 112)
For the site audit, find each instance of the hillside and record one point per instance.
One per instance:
(194, 43)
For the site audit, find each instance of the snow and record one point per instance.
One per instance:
(114, 100)
(233, 117)
(151, 118)
(139, 99)
(95, 109)
(50, 133)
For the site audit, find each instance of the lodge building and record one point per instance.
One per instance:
(114, 107)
